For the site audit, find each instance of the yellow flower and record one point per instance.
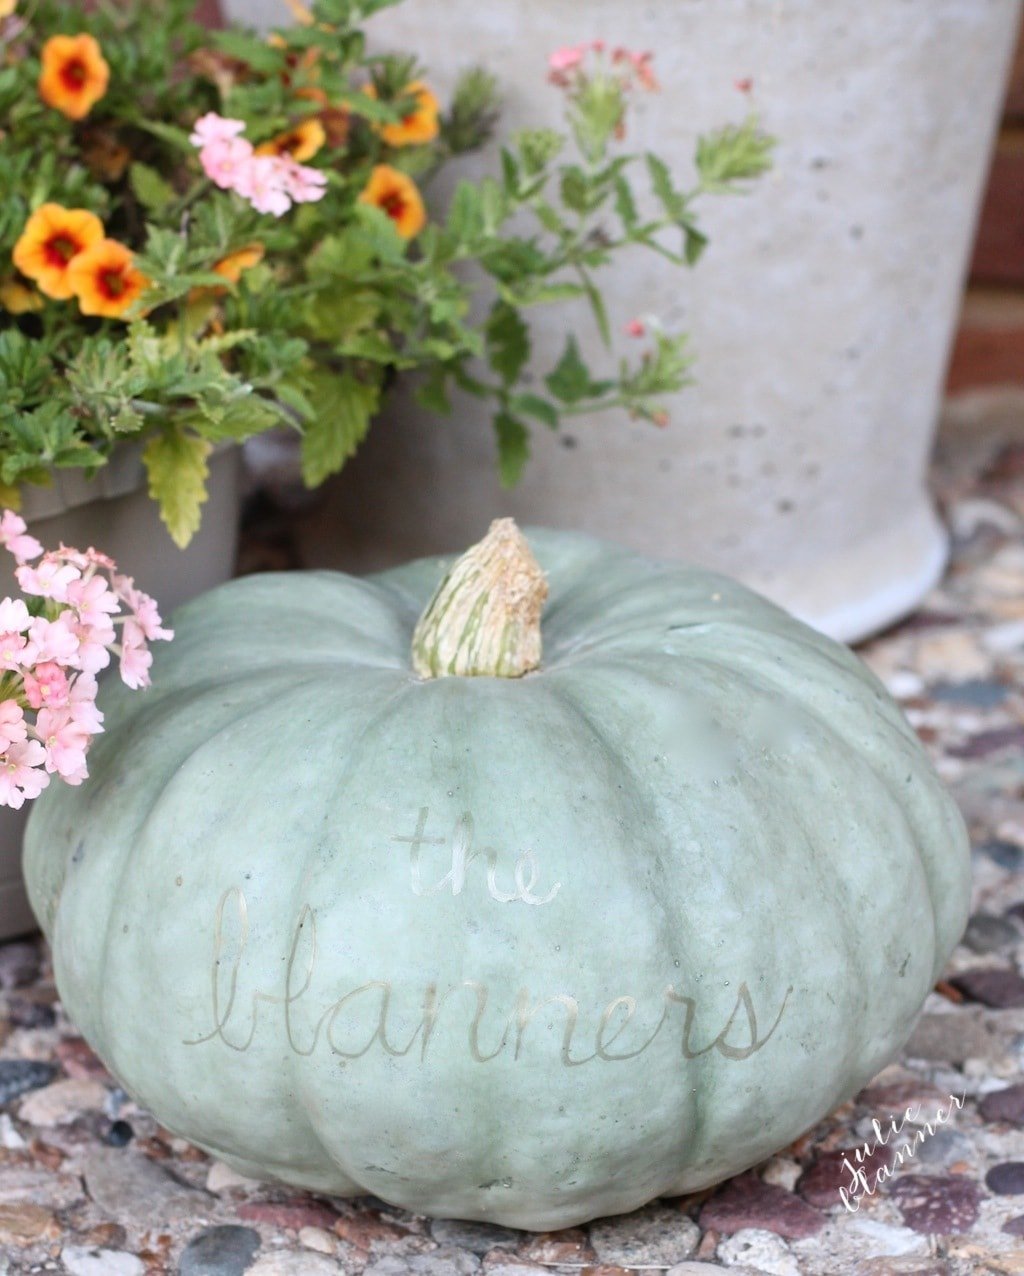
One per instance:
(420, 125)
(231, 266)
(105, 280)
(301, 142)
(395, 194)
(7, 7)
(18, 299)
(53, 237)
(75, 75)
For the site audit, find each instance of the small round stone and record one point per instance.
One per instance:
(1004, 1105)
(1006, 1179)
(119, 1134)
(988, 934)
(227, 1250)
(19, 1076)
(937, 1205)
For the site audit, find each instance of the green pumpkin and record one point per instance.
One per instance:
(527, 949)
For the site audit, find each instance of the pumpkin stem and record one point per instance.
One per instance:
(484, 619)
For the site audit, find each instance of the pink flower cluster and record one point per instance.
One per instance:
(271, 183)
(565, 65)
(51, 650)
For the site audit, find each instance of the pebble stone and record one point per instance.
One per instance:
(650, 1237)
(222, 1178)
(294, 1263)
(746, 1203)
(100, 1262)
(22, 1222)
(937, 1205)
(129, 1187)
(995, 987)
(989, 934)
(226, 1250)
(62, 1102)
(1006, 1179)
(18, 1076)
(943, 1148)
(479, 1238)
(1004, 1105)
(764, 1251)
(440, 1262)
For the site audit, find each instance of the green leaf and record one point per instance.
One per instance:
(513, 448)
(625, 205)
(465, 214)
(670, 199)
(176, 465)
(508, 342)
(343, 407)
(575, 189)
(533, 405)
(569, 381)
(176, 137)
(152, 192)
(249, 48)
(694, 243)
(733, 154)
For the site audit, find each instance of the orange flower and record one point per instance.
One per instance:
(75, 75)
(231, 266)
(395, 194)
(18, 299)
(301, 142)
(53, 237)
(420, 125)
(105, 281)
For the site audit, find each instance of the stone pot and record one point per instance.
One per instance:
(821, 316)
(113, 512)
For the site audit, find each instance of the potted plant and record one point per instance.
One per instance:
(206, 236)
(798, 460)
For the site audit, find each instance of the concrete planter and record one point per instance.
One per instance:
(114, 513)
(822, 315)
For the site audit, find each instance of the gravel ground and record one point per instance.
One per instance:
(91, 1185)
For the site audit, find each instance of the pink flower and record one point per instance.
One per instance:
(563, 62)
(83, 559)
(65, 741)
(212, 127)
(12, 724)
(93, 599)
(144, 610)
(135, 662)
(82, 703)
(13, 536)
(94, 642)
(46, 684)
(262, 183)
(567, 58)
(226, 160)
(14, 616)
(54, 640)
(303, 184)
(49, 579)
(635, 328)
(20, 774)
